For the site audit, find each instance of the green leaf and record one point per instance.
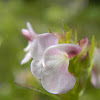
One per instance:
(76, 36)
(65, 27)
(91, 55)
(67, 32)
(49, 30)
(68, 35)
(92, 48)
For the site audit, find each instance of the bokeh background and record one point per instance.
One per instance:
(43, 15)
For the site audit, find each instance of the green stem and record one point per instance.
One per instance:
(87, 79)
(37, 90)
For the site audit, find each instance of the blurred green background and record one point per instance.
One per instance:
(43, 15)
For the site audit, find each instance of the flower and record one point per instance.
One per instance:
(84, 44)
(40, 43)
(95, 78)
(51, 62)
(30, 35)
(56, 78)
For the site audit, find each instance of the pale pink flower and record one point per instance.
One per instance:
(51, 62)
(30, 35)
(56, 78)
(40, 43)
(95, 78)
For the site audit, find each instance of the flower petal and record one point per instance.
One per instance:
(84, 43)
(55, 76)
(95, 79)
(28, 46)
(96, 58)
(71, 49)
(26, 58)
(36, 68)
(58, 83)
(41, 42)
(27, 34)
(30, 28)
